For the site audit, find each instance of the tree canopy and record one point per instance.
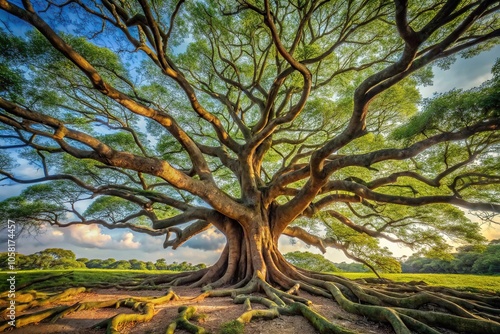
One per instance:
(169, 114)
(258, 118)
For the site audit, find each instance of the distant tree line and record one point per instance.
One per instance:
(468, 260)
(484, 260)
(57, 258)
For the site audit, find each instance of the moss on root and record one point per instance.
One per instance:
(182, 321)
(232, 327)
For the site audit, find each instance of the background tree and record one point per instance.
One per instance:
(94, 263)
(310, 261)
(161, 264)
(137, 264)
(282, 117)
(150, 266)
(352, 267)
(468, 260)
(50, 258)
(107, 263)
(121, 264)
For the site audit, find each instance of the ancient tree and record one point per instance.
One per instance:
(259, 119)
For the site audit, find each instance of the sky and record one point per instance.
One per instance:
(92, 241)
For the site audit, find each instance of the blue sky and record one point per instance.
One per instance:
(98, 242)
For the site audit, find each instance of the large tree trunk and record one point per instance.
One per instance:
(249, 250)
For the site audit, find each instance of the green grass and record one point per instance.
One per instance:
(75, 277)
(232, 327)
(456, 281)
(79, 276)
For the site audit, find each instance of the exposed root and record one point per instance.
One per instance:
(182, 321)
(144, 306)
(25, 302)
(318, 321)
(282, 305)
(277, 302)
(407, 308)
(36, 317)
(146, 313)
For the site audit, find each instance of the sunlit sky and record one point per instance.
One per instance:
(98, 242)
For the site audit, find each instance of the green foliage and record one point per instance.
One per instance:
(50, 258)
(463, 107)
(13, 53)
(361, 246)
(393, 107)
(58, 258)
(122, 264)
(469, 260)
(111, 208)
(28, 213)
(310, 261)
(352, 267)
(137, 265)
(161, 264)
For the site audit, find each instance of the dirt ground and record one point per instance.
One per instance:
(217, 310)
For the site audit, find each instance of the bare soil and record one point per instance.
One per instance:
(217, 311)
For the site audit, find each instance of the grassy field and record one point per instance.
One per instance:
(78, 276)
(456, 281)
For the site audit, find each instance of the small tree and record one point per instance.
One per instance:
(150, 266)
(121, 264)
(137, 264)
(161, 264)
(94, 263)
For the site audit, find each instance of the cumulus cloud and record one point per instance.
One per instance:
(210, 240)
(152, 244)
(87, 236)
(128, 242)
(94, 236)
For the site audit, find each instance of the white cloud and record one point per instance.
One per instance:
(87, 236)
(127, 242)
(210, 240)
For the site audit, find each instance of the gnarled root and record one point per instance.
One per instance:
(146, 313)
(25, 302)
(32, 318)
(277, 302)
(31, 299)
(182, 321)
(144, 306)
(407, 308)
